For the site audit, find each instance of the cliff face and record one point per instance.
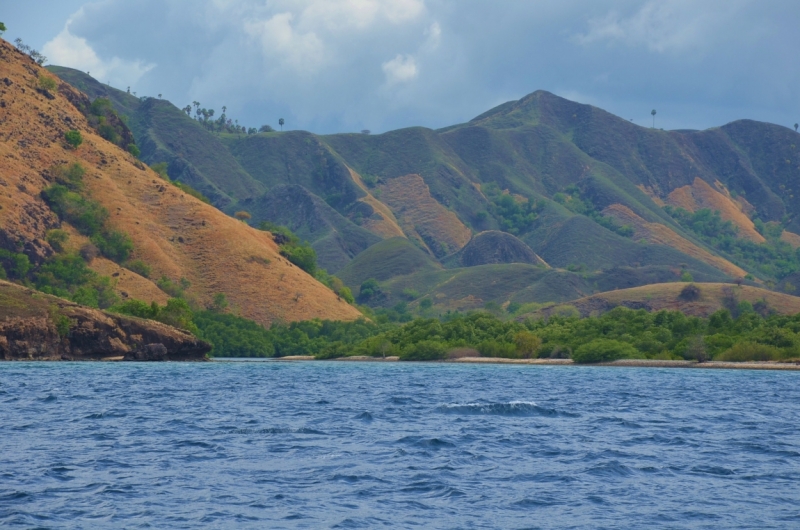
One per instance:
(177, 235)
(36, 326)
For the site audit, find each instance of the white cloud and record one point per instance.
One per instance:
(661, 26)
(345, 15)
(401, 69)
(68, 50)
(302, 52)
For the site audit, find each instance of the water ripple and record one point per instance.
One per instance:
(372, 445)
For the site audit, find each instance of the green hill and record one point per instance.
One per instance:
(542, 169)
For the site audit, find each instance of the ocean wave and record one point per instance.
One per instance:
(509, 408)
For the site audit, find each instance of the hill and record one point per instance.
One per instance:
(493, 247)
(708, 298)
(186, 244)
(580, 188)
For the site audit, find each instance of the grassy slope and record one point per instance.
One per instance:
(164, 133)
(537, 146)
(667, 296)
(334, 237)
(385, 260)
(176, 234)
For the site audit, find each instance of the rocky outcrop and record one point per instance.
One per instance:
(36, 326)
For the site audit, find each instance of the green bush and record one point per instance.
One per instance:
(603, 350)
(15, 264)
(114, 245)
(134, 150)
(301, 255)
(749, 351)
(174, 289)
(86, 215)
(424, 350)
(233, 336)
(139, 267)
(57, 238)
(73, 138)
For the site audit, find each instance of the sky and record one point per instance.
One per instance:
(345, 65)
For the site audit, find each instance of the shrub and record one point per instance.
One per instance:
(139, 267)
(219, 303)
(301, 255)
(369, 290)
(690, 293)
(137, 308)
(242, 215)
(410, 294)
(46, 82)
(73, 138)
(89, 251)
(16, 264)
(134, 150)
(603, 350)
(347, 295)
(57, 238)
(426, 303)
(70, 175)
(174, 289)
(114, 245)
(686, 276)
(749, 351)
(86, 215)
(527, 344)
(424, 350)
(178, 314)
(190, 191)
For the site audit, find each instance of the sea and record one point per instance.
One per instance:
(396, 445)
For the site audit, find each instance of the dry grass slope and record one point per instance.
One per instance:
(422, 217)
(179, 236)
(659, 234)
(701, 195)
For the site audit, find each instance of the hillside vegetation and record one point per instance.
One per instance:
(126, 218)
(534, 183)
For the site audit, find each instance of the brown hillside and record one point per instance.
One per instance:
(177, 235)
(701, 195)
(386, 226)
(663, 235)
(422, 217)
(660, 296)
(791, 238)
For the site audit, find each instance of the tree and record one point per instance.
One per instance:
(2, 28)
(224, 109)
(188, 110)
(281, 122)
(365, 131)
(653, 113)
(242, 215)
(159, 96)
(795, 127)
(73, 138)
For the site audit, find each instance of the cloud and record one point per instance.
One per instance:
(346, 65)
(302, 52)
(660, 26)
(401, 69)
(68, 50)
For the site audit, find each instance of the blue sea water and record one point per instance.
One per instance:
(396, 445)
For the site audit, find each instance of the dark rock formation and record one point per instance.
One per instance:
(36, 326)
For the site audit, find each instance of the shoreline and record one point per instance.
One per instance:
(622, 363)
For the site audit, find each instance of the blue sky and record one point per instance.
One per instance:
(346, 65)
